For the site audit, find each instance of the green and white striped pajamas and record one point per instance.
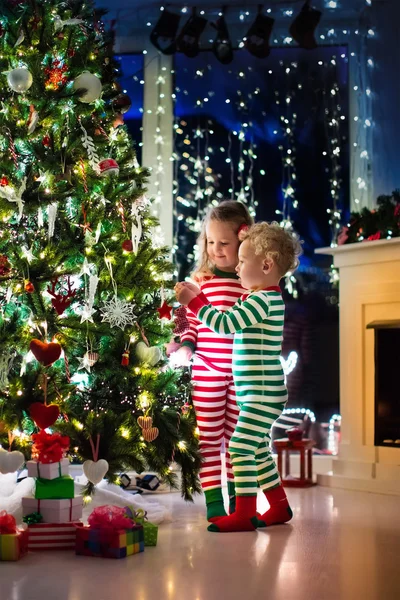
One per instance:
(257, 323)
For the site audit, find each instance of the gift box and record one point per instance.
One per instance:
(48, 470)
(109, 543)
(54, 511)
(13, 545)
(150, 530)
(55, 489)
(52, 536)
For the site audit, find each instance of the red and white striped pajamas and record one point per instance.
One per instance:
(213, 393)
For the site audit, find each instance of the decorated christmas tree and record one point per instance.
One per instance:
(82, 301)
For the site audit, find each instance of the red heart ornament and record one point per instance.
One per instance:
(45, 353)
(44, 416)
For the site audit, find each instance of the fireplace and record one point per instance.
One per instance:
(369, 321)
(387, 395)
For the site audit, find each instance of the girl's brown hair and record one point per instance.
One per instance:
(228, 211)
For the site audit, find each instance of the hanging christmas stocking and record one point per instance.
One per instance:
(164, 33)
(257, 37)
(303, 27)
(188, 40)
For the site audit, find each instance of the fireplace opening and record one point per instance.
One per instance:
(387, 382)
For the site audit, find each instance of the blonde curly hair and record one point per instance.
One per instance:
(228, 211)
(273, 241)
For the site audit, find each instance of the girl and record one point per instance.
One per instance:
(213, 392)
(267, 253)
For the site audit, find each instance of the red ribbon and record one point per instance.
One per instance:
(109, 518)
(50, 447)
(7, 523)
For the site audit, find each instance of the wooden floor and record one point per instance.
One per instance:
(340, 545)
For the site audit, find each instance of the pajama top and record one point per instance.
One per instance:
(222, 290)
(256, 321)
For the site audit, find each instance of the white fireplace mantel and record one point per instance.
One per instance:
(369, 290)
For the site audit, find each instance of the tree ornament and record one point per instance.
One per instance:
(90, 87)
(59, 24)
(33, 119)
(88, 144)
(20, 80)
(125, 358)
(127, 246)
(56, 74)
(118, 121)
(165, 311)
(63, 299)
(122, 103)
(145, 422)
(46, 141)
(118, 313)
(108, 166)
(181, 321)
(150, 434)
(6, 361)
(4, 181)
(186, 409)
(14, 195)
(5, 266)
(29, 287)
(136, 229)
(92, 358)
(44, 415)
(45, 353)
(95, 470)
(149, 355)
(10, 461)
(71, 52)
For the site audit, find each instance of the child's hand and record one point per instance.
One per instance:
(185, 292)
(181, 358)
(171, 347)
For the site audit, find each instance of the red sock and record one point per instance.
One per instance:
(243, 519)
(279, 510)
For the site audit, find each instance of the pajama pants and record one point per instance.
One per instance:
(250, 447)
(214, 401)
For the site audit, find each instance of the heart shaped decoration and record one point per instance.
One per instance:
(45, 353)
(148, 355)
(145, 422)
(95, 471)
(150, 434)
(44, 416)
(10, 461)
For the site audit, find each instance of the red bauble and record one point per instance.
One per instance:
(46, 141)
(71, 52)
(127, 246)
(122, 103)
(165, 311)
(29, 287)
(3, 181)
(45, 353)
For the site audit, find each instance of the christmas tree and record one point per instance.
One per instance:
(81, 280)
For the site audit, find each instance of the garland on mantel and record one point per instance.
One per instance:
(382, 222)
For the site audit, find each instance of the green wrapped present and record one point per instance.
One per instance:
(140, 517)
(60, 488)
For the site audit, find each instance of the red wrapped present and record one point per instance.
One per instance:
(52, 536)
(111, 534)
(13, 540)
